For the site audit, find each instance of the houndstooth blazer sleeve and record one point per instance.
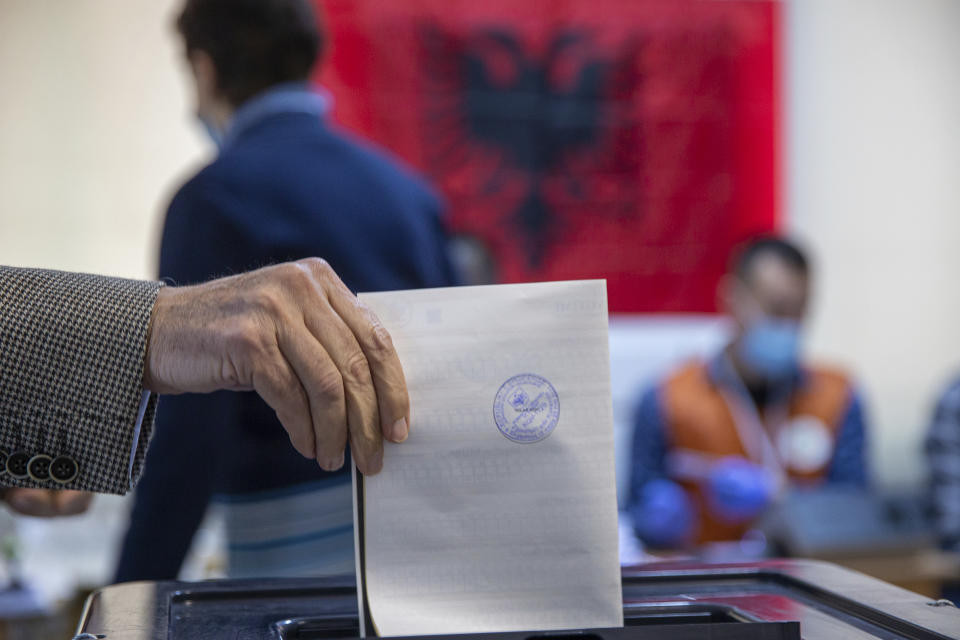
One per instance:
(72, 350)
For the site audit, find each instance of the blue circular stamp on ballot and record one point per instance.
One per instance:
(526, 408)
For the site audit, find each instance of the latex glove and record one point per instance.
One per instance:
(738, 490)
(664, 516)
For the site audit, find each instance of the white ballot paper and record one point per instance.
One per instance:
(499, 512)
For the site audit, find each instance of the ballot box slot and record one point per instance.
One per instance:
(641, 622)
(682, 613)
(680, 628)
(300, 628)
(224, 590)
(642, 615)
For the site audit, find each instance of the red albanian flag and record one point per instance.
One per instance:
(630, 140)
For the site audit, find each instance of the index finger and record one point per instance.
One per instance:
(70, 503)
(393, 399)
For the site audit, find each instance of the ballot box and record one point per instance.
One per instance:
(772, 600)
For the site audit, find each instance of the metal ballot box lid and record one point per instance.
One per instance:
(772, 600)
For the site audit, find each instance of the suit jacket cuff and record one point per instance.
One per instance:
(72, 350)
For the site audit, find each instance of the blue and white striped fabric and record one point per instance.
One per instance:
(303, 530)
(943, 457)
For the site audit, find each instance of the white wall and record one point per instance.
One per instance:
(95, 132)
(873, 179)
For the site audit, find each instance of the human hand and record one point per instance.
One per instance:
(664, 516)
(739, 490)
(296, 335)
(47, 503)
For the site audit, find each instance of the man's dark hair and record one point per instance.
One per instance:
(786, 251)
(254, 44)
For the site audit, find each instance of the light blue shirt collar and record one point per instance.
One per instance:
(295, 97)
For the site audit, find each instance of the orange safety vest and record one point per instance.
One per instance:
(698, 420)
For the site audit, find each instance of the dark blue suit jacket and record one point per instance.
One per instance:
(286, 187)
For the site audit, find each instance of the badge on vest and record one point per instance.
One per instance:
(805, 444)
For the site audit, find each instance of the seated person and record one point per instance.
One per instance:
(716, 441)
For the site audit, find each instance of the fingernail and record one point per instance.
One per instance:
(399, 432)
(376, 463)
(333, 464)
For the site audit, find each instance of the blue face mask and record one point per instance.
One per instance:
(211, 130)
(771, 347)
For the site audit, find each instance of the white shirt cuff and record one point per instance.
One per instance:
(144, 400)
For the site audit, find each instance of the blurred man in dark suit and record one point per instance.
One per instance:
(284, 185)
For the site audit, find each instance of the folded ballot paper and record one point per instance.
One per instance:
(499, 512)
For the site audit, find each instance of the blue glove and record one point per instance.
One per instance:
(738, 490)
(664, 516)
